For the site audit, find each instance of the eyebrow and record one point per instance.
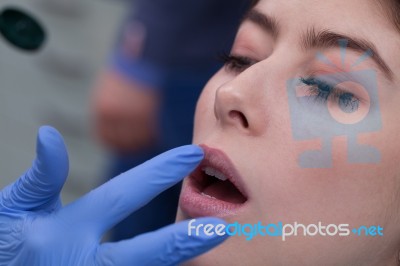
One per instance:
(312, 39)
(267, 23)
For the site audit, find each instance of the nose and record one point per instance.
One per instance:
(239, 104)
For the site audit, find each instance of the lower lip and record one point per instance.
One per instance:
(195, 204)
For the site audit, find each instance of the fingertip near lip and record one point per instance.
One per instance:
(191, 151)
(196, 149)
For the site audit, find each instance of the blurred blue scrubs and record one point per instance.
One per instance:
(179, 55)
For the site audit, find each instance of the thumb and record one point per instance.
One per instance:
(167, 246)
(39, 188)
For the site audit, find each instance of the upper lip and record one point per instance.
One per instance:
(218, 160)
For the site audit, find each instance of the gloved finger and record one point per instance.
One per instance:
(170, 245)
(39, 188)
(110, 203)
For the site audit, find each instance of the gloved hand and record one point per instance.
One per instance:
(36, 230)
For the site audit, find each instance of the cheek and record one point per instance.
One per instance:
(345, 194)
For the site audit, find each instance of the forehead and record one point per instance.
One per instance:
(335, 13)
(356, 18)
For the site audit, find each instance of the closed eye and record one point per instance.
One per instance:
(236, 63)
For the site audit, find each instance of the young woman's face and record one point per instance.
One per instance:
(264, 122)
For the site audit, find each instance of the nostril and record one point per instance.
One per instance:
(240, 117)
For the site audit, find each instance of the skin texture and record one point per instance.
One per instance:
(266, 154)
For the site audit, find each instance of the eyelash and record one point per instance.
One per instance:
(325, 92)
(320, 89)
(236, 63)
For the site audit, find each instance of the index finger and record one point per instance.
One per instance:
(110, 203)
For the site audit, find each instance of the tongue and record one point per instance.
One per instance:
(224, 190)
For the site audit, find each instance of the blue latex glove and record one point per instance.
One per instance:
(36, 230)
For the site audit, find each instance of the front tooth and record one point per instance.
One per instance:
(213, 172)
(209, 171)
(220, 176)
(208, 196)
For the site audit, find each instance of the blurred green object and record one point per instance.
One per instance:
(21, 29)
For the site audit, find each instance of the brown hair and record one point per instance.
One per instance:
(393, 8)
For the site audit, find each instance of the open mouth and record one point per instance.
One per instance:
(216, 185)
(214, 188)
